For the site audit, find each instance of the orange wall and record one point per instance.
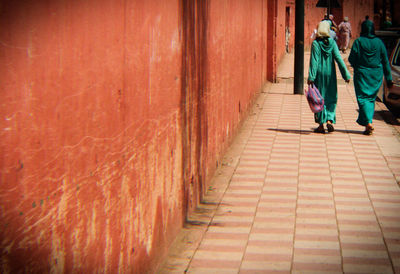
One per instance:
(114, 116)
(236, 68)
(90, 143)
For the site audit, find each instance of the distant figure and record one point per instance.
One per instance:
(322, 72)
(344, 34)
(333, 22)
(387, 23)
(332, 27)
(314, 33)
(287, 39)
(369, 59)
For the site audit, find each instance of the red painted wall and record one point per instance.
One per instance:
(90, 134)
(236, 68)
(114, 115)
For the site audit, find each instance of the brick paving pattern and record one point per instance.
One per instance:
(301, 202)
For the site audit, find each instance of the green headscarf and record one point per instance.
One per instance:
(367, 29)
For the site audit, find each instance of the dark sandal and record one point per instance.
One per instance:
(319, 130)
(330, 127)
(368, 131)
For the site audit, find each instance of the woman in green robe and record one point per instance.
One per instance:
(369, 59)
(322, 73)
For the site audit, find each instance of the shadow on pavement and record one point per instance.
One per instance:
(350, 131)
(294, 131)
(307, 132)
(386, 116)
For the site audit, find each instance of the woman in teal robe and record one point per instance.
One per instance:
(369, 59)
(322, 73)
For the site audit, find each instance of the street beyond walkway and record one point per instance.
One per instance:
(288, 200)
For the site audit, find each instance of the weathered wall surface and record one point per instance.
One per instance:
(236, 68)
(90, 134)
(114, 114)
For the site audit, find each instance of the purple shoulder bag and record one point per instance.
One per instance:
(314, 98)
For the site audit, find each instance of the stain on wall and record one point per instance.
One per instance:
(194, 79)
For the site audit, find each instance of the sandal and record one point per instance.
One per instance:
(368, 131)
(319, 129)
(330, 127)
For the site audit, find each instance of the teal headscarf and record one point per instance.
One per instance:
(367, 29)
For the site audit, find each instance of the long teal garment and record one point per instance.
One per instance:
(322, 72)
(369, 59)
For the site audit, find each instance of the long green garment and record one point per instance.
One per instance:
(322, 72)
(369, 59)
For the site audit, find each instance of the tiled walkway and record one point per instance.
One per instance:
(299, 202)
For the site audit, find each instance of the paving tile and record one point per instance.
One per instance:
(229, 229)
(278, 205)
(324, 215)
(270, 248)
(267, 257)
(241, 195)
(357, 268)
(271, 243)
(242, 241)
(317, 258)
(226, 236)
(252, 266)
(206, 270)
(223, 208)
(243, 190)
(317, 244)
(316, 267)
(271, 236)
(225, 255)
